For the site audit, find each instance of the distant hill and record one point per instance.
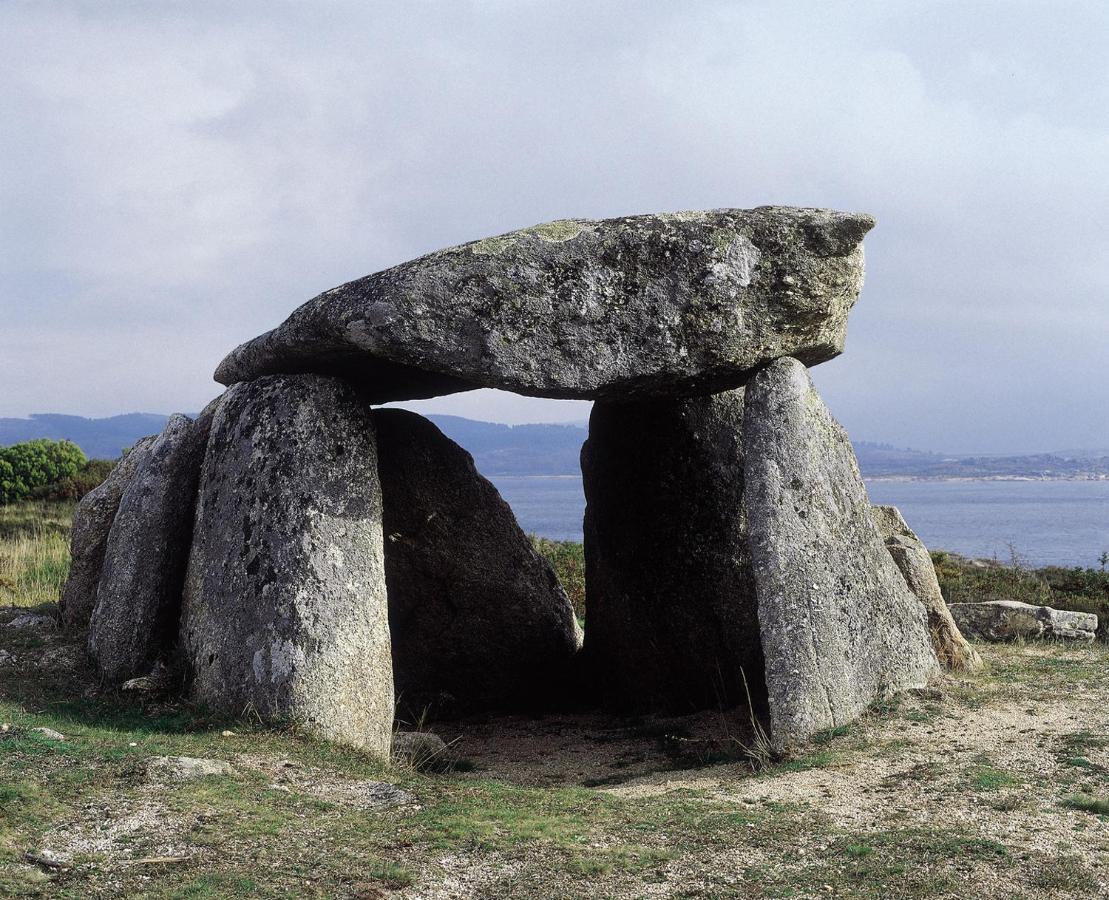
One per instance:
(886, 461)
(554, 449)
(99, 438)
(517, 449)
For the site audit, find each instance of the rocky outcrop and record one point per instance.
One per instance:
(1008, 620)
(840, 627)
(640, 306)
(138, 600)
(671, 602)
(285, 610)
(92, 520)
(912, 558)
(477, 616)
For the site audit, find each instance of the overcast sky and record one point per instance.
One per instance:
(176, 178)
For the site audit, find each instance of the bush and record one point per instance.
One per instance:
(35, 464)
(74, 487)
(567, 558)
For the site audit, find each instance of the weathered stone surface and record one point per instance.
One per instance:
(672, 609)
(49, 733)
(912, 558)
(285, 610)
(92, 520)
(138, 600)
(34, 621)
(474, 611)
(1007, 620)
(185, 768)
(839, 625)
(653, 305)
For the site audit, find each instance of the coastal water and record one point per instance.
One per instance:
(1042, 522)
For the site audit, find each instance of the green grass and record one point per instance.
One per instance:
(567, 558)
(1093, 805)
(34, 552)
(990, 779)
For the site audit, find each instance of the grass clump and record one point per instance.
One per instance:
(34, 552)
(986, 777)
(1093, 805)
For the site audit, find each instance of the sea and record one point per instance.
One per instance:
(1037, 523)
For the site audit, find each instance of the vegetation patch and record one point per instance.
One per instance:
(1095, 805)
(1070, 588)
(567, 558)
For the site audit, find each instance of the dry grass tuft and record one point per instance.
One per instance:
(34, 552)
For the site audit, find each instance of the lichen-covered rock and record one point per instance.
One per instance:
(672, 609)
(285, 610)
(652, 305)
(840, 627)
(912, 558)
(138, 600)
(1008, 620)
(185, 768)
(92, 520)
(474, 611)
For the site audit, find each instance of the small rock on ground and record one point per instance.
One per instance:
(32, 620)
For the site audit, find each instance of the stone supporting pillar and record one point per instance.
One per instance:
(671, 614)
(285, 610)
(478, 618)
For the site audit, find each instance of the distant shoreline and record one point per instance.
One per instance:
(882, 478)
(977, 478)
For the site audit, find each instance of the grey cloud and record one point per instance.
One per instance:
(175, 178)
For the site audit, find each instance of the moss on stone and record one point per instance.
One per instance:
(559, 230)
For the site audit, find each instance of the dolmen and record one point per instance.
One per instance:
(303, 555)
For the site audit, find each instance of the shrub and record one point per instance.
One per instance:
(34, 464)
(567, 558)
(74, 487)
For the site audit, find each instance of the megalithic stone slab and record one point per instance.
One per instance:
(912, 558)
(138, 600)
(672, 611)
(1008, 620)
(640, 306)
(840, 627)
(92, 522)
(477, 616)
(285, 610)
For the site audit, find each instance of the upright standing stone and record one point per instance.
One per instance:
(669, 596)
(477, 616)
(840, 627)
(285, 609)
(912, 558)
(92, 521)
(138, 601)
